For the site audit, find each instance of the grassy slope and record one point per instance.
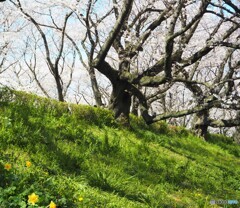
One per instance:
(86, 154)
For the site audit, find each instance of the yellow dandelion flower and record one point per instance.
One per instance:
(7, 166)
(198, 194)
(80, 199)
(33, 198)
(28, 164)
(52, 205)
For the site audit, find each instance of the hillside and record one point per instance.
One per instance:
(77, 156)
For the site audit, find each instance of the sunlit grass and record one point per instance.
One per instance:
(83, 158)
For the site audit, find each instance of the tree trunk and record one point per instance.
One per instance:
(120, 103)
(135, 106)
(201, 125)
(59, 88)
(236, 135)
(95, 88)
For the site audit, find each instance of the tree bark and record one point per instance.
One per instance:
(59, 88)
(135, 106)
(95, 88)
(201, 125)
(120, 103)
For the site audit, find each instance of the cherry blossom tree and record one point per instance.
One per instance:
(137, 23)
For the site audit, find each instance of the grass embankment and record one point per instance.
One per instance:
(79, 157)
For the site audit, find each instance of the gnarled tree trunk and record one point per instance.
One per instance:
(120, 103)
(201, 125)
(135, 105)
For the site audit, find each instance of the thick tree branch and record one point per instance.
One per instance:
(114, 32)
(182, 113)
(223, 123)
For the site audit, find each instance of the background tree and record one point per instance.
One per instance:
(53, 57)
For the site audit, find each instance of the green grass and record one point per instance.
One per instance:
(81, 152)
